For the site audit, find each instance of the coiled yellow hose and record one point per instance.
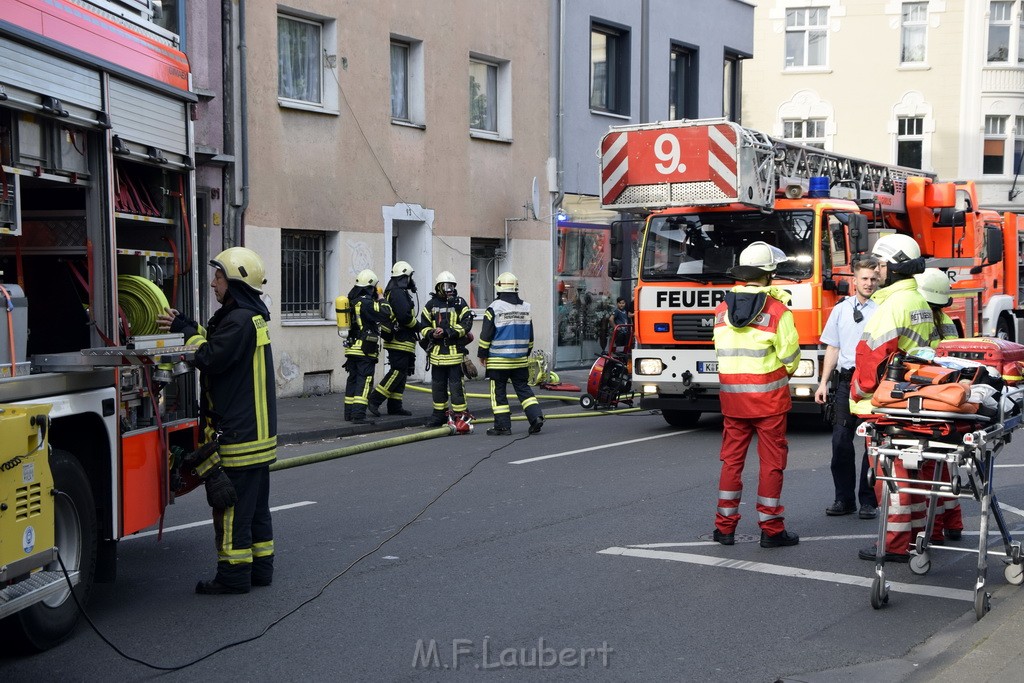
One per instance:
(141, 300)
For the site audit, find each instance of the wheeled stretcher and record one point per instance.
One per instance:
(953, 453)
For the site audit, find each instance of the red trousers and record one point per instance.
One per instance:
(908, 512)
(772, 451)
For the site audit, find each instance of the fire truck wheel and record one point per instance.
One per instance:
(1003, 329)
(682, 419)
(47, 623)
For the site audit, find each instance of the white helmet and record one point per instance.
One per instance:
(401, 268)
(366, 278)
(442, 282)
(506, 282)
(934, 286)
(757, 260)
(896, 248)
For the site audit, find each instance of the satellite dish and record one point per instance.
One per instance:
(535, 199)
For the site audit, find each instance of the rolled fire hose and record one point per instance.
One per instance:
(142, 301)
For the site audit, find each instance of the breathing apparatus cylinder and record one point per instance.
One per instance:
(343, 313)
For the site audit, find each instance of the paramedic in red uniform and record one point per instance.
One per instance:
(758, 350)
(902, 321)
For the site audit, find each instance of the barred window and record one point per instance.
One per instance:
(303, 256)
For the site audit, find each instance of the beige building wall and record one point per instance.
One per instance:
(353, 173)
(863, 89)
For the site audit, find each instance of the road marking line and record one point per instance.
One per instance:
(191, 525)
(597, 448)
(1010, 465)
(1010, 508)
(795, 572)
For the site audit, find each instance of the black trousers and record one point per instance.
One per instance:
(844, 454)
(445, 383)
(519, 377)
(358, 385)
(244, 534)
(392, 387)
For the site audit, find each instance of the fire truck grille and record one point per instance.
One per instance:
(693, 326)
(699, 193)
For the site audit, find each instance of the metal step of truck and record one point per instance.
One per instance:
(35, 588)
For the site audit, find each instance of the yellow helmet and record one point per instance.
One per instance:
(242, 265)
(506, 282)
(366, 278)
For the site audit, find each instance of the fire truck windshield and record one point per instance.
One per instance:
(704, 246)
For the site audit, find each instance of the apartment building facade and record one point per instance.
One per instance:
(936, 85)
(619, 63)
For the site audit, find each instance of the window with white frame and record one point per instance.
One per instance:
(810, 132)
(1000, 20)
(407, 97)
(1018, 143)
(609, 69)
(483, 96)
(806, 37)
(490, 97)
(993, 160)
(910, 141)
(304, 64)
(682, 83)
(914, 33)
(303, 263)
(483, 271)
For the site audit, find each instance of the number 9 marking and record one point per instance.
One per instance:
(669, 156)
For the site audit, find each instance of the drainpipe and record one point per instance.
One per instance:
(556, 203)
(227, 38)
(244, 126)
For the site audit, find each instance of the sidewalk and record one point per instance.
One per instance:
(312, 418)
(988, 650)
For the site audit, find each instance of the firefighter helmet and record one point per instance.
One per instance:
(934, 286)
(242, 265)
(506, 282)
(366, 278)
(757, 260)
(445, 283)
(401, 268)
(896, 249)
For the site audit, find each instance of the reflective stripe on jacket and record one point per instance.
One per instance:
(403, 318)
(903, 320)
(755, 360)
(455, 319)
(367, 316)
(506, 337)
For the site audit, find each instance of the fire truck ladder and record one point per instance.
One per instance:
(856, 179)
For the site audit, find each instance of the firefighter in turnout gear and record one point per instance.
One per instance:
(369, 316)
(401, 344)
(445, 327)
(239, 418)
(758, 351)
(902, 321)
(506, 340)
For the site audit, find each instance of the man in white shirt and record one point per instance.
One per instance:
(841, 335)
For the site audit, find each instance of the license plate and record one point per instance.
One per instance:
(709, 367)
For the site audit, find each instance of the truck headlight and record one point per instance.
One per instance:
(805, 369)
(649, 366)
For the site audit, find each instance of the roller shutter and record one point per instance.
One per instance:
(28, 75)
(148, 118)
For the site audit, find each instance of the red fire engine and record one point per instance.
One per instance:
(96, 234)
(704, 189)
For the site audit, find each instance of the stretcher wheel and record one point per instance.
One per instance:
(879, 593)
(920, 563)
(919, 543)
(1015, 552)
(587, 401)
(982, 603)
(1014, 574)
(955, 484)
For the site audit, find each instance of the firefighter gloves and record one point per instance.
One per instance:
(220, 492)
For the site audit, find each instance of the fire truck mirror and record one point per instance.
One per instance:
(615, 236)
(993, 245)
(615, 268)
(858, 233)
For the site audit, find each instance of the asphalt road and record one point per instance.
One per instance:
(576, 554)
